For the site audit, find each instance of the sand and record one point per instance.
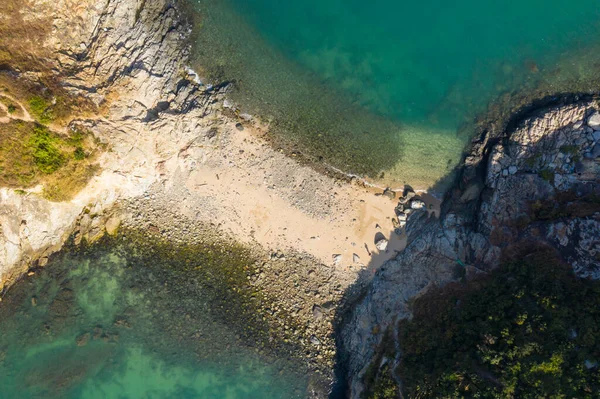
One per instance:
(260, 196)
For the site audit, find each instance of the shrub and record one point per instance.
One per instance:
(524, 331)
(40, 109)
(79, 154)
(45, 150)
(32, 154)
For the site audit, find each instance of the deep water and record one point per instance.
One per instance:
(390, 85)
(111, 321)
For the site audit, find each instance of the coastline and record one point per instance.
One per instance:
(179, 159)
(170, 140)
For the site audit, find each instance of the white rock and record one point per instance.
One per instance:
(594, 121)
(417, 204)
(589, 364)
(382, 244)
(337, 259)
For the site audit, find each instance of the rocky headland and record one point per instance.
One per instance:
(533, 184)
(178, 161)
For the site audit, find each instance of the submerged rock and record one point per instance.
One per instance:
(83, 339)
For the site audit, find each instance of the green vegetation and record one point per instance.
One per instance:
(532, 161)
(45, 150)
(547, 175)
(569, 149)
(41, 109)
(565, 205)
(378, 378)
(527, 330)
(32, 154)
(79, 154)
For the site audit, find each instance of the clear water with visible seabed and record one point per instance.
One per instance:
(371, 87)
(108, 323)
(392, 85)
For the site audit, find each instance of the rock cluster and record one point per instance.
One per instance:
(407, 205)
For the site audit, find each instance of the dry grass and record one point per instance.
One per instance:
(21, 38)
(31, 154)
(46, 100)
(23, 30)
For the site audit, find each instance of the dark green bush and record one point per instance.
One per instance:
(525, 331)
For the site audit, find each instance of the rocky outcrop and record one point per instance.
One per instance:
(174, 142)
(128, 58)
(538, 183)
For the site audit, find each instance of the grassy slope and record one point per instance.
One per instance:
(34, 153)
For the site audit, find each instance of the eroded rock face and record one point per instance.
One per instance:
(536, 184)
(129, 59)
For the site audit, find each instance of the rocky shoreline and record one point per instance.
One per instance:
(183, 166)
(536, 183)
(176, 148)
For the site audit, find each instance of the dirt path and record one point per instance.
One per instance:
(24, 115)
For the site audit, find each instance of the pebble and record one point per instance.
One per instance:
(317, 312)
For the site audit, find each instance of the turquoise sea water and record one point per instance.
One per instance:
(109, 324)
(388, 85)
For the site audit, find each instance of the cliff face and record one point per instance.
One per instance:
(535, 184)
(128, 58)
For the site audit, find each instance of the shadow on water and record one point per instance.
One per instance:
(493, 128)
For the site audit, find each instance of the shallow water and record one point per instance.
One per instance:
(107, 323)
(385, 85)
